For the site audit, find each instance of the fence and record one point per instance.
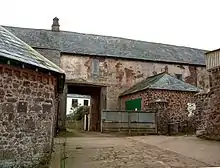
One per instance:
(74, 124)
(128, 121)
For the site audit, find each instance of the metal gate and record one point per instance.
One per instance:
(128, 121)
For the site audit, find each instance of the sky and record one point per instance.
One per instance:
(191, 23)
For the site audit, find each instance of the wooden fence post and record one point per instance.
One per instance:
(129, 123)
(101, 124)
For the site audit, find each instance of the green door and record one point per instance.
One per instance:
(133, 104)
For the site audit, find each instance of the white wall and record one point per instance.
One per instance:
(80, 102)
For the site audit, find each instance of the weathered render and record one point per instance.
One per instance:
(118, 74)
(29, 89)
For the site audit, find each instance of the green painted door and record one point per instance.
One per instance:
(133, 104)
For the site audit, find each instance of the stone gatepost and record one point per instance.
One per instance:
(62, 109)
(161, 109)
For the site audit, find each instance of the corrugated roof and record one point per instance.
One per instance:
(78, 43)
(162, 81)
(13, 48)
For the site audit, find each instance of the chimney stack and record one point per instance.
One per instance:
(55, 25)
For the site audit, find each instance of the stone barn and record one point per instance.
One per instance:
(29, 88)
(106, 66)
(161, 87)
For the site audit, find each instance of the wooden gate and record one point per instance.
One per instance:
(129, 121)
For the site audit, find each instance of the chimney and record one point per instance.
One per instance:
(55, 25)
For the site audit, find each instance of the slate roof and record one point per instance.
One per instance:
(88, 44)
(13, 48)
(162, 81)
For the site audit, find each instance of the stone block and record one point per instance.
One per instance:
(22, 107)
(7, 108)
(30, 124)
(47, 108)
(26, 83)
(12, 99)
(8, 154)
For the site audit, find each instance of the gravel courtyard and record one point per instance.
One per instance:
(105, 151)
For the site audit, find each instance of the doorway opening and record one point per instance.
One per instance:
(92, 96)
(74, 101)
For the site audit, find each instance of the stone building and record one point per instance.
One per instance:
(29, 89)
(207, 114)
(104, 66)
(161, 87)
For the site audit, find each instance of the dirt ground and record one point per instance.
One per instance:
(94, 150)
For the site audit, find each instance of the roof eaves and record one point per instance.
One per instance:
(177, 90)
(132, 58)
(128, 93)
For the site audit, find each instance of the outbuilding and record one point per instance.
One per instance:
(30, 86)
(176, 94)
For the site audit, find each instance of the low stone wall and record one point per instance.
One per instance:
(27, 112)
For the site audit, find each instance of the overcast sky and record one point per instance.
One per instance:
(193, 23)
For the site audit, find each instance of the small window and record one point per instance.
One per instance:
(74, 102)
(86, 102)
(179, 76)
(95, 66)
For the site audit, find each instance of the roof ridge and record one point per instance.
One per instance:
(157, 74)
(156, 79)
(181, 82)
(143, 81)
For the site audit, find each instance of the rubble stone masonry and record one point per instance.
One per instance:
(176, 110)
(208, 109)
(27, 112)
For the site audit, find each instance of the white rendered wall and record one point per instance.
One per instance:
(80, 102)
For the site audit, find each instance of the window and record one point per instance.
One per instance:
(86, 102)
(74, 102)
(179, 76)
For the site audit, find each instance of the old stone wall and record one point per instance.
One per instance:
(176, 104)
(27, 113)
(161, 109)
(201, 115)
(120, 74)
(208, 109)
